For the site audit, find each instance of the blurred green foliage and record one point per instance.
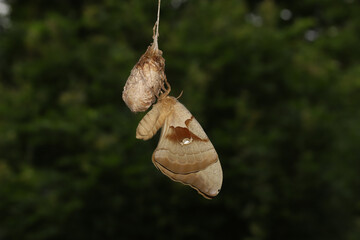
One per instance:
(275, 84)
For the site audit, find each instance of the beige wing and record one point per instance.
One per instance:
(207, 182)
(183, 147)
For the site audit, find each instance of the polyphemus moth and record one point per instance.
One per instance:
(184, 152)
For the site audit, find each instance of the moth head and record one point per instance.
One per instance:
(167, 103)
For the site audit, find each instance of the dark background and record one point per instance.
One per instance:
(275, 84)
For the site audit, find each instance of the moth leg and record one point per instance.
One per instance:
(166, 91)
(157, 94)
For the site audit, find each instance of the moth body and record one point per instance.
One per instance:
(184, 152)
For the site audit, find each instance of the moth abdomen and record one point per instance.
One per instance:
(150, 124)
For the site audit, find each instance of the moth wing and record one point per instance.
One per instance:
(207, 182)
(184, 146)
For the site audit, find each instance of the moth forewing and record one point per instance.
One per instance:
(183, 146)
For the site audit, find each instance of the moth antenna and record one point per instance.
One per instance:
(182, 91)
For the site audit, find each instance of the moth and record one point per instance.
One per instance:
(184, 152)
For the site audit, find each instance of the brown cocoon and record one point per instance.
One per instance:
(145, 81)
